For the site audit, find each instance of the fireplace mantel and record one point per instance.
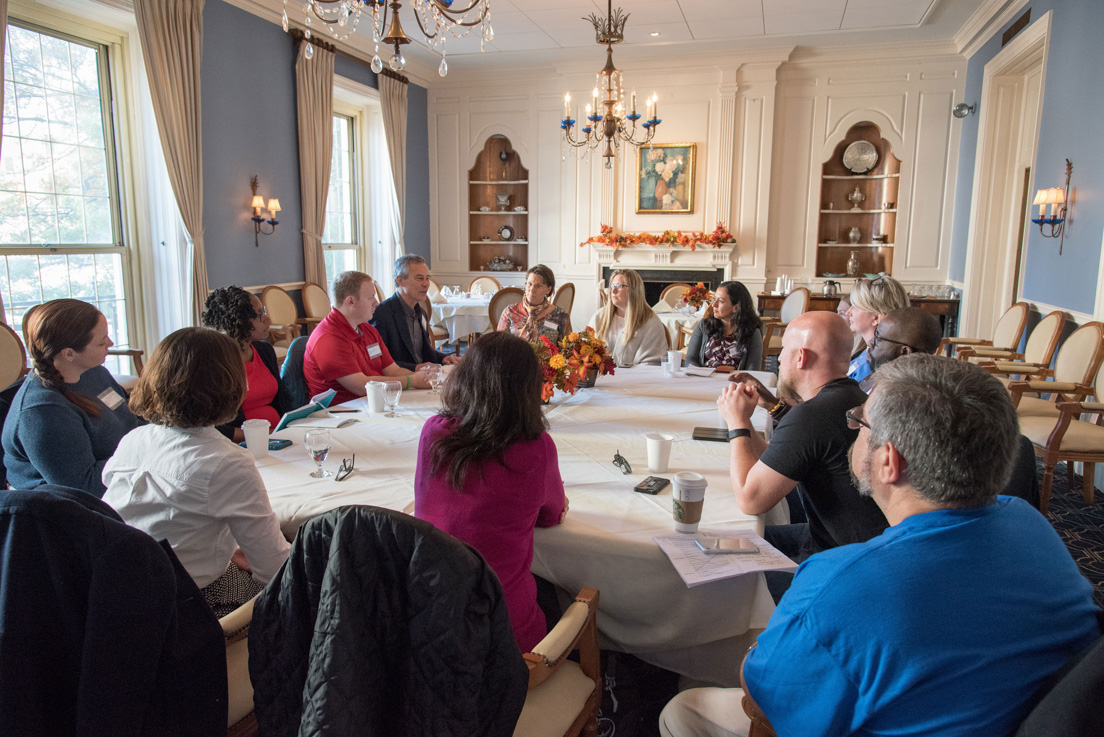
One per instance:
(667, 258)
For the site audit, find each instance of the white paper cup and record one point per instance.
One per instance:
(666, 366)
(687, 500)
(675, 359)
(256, 437)
(373, 392)
(659, 450)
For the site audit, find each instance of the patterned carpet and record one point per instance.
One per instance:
(1080, 527)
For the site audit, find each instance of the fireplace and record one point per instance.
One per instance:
(656, 280)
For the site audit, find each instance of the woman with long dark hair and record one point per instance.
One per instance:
(488, 471)
(69, 415)
(240, 316)
(180, 480)
(731, 337)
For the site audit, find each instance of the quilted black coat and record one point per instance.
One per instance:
(380, 624)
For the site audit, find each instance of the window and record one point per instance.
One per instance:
(60, 229)
(340, 239)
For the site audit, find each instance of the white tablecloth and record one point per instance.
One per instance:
(605, 542)
(461, 317)
(675, 320)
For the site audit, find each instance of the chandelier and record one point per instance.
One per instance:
(436, 20)
(609, 119)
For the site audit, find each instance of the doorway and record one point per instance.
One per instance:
(1011, 104)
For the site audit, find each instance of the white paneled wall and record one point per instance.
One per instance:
(763, 122)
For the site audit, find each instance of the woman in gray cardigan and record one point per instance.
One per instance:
(731, 337)
(631, 330)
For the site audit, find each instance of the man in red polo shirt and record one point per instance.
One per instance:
(344, 352)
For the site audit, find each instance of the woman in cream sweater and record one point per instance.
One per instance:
(631, 330)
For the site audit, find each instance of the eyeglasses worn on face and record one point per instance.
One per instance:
(618, 287)
(261, 314)
(875, 339)
(855, 419)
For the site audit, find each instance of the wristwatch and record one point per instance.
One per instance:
(742, 432)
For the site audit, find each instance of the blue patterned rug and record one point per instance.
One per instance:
(1080, 527)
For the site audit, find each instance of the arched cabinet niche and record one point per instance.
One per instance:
(498, 209)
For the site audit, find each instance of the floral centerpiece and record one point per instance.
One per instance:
(576, 361)
(716, 239)
(696, 296)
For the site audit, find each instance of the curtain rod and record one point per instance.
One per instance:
(298, 37)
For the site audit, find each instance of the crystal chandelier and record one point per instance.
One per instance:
(436, 19)
(609, 119)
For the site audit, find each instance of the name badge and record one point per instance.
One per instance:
(374, 351)
(549, 325)
(110, 397)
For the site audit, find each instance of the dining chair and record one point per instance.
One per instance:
(316, 303)
(1006, 334)
(565, 297)
(1066, 437)
(434, 289)
(1038, 350)
(283, 313)
(485, 283)
(672, 293)
(796, 303)
(438, 334)
(240, 719)
(1069, 381)
(13, 357)
(760, 725)
(564, 695)
(291, 372)
(502, 299)
(1072, 704)
(603, 293)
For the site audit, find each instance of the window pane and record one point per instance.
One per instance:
(340, 211)
(82, 276)
(55, 156)
(337, 261)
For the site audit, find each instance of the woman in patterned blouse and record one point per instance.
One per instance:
(535, 315)
(731, 338)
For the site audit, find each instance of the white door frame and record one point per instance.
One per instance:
(1007, 115)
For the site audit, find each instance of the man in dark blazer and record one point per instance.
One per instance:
(401, 320)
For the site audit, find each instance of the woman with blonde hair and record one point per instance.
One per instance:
(69, 415)
(631, 330)
(871, 300)
(180, 479)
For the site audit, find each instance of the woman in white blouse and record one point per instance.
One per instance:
(631, 330)
(180, 479)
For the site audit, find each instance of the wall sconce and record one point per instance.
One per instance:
(1058, 199)
(258, 204)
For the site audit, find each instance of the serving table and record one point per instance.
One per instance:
(606, 540)
(462, 316)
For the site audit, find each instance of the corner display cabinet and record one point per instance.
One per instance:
(858, 204)
(498, 209)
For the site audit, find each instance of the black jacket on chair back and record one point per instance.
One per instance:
(381, 624)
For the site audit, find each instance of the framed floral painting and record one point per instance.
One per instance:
(665, 178)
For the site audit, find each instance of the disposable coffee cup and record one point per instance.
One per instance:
(373, 392)
(256, 437)
(675, 359)
(687, 500)
(659, 450)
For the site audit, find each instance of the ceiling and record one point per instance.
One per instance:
(528, 32)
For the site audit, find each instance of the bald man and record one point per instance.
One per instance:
(901, 332)
(809, 447)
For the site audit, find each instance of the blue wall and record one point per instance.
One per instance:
(1073, 105)
(250, 127)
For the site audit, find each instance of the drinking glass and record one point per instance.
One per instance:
(391, 392)
(434, 377)
(317, 443)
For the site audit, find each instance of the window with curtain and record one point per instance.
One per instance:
(60, 228)
(340, 240)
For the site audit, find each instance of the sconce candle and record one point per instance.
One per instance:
(258, 203)
(1058, 199)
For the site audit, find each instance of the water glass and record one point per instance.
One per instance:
(391, 392)
(434, 377)
(317, 443)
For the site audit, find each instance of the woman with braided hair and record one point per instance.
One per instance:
(69, 415)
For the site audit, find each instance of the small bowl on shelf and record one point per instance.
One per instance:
(871, 276)
(831, 241)
(829, 275)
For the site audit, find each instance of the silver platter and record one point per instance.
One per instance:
(860, 157)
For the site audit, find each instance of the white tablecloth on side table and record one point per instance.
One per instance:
(605, 542)
(462, 317)
(675, 320)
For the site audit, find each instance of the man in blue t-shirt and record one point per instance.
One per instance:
(948, 622)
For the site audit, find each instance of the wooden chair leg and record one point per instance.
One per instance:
(1089, 482)
(1070, 475)
(1045, 488)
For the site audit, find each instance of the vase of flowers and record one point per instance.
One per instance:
(695, 297)
(569, 364)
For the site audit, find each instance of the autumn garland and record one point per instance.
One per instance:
(719, 237)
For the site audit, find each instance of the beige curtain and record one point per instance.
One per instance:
(314, 91)
(3, 40)
(392, 89)
(172, 48)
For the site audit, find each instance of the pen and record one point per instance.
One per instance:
(335, 411)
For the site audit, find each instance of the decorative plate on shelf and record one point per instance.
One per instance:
(860, 157)
(832, 276)
(506, 233)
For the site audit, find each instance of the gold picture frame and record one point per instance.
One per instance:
(665, 178)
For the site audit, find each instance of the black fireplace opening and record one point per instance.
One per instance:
(656, 280)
